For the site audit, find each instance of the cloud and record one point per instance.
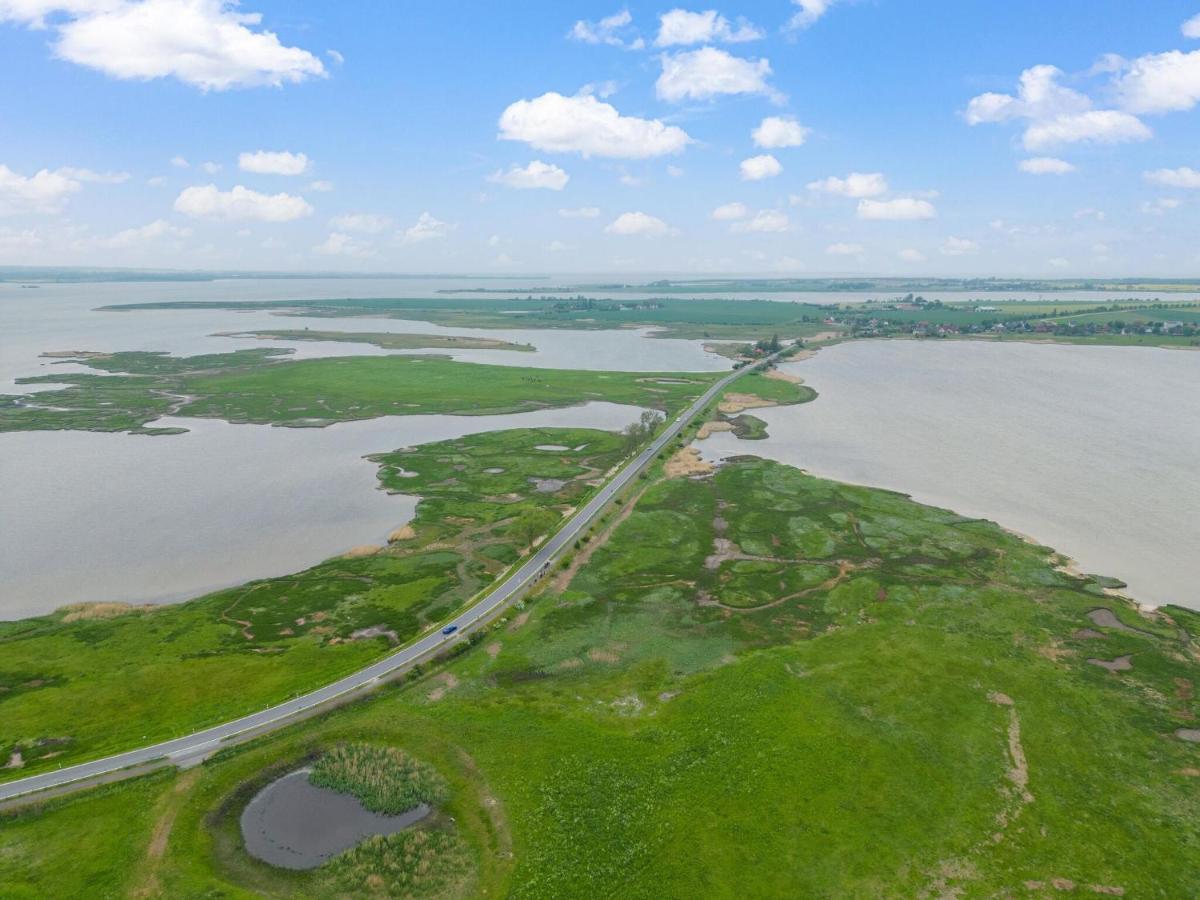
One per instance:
(179, 162)
(1045, 165)
(766, 221)
(132, 237)
(535, 175)
(44, 192)
(210, 168)
(321, 187)
(240, 203)
(583, 212)
(557, 247)
(631, 180)
(709, 72)
(955, 246)
(674, 171)
(910, 254)
(1161, 83)
(1183, 177)
(209, 44)
(273, 162)
(427, 228)
(856, 184)
(364, 223)
(1089, 213)
(97, 177)
(729, 211)
(1054, 114)
(1191, 28)
(898, 210)
(682, 27)
(336, 56)
(1099, 126)
(1059, 263)
(341, 244)
(810, 12)
(156, 181)
(1161, 206)
(756, 168)
(640, 224)
(779, 131)
(842, 249)
(607, 31)
(587, 126)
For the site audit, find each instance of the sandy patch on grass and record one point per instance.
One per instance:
(168, 809)
(1191, 735)
(778, 375)
(449, 682)
(493, 649)
(519, 621)
(361, 551)
(571, 662)
(686, 463)
(711, 428)
(735, 403)
(81, 612)
(403, 533)
(1120, 664)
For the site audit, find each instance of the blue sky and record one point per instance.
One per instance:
(893, 136)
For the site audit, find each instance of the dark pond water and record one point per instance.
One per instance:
(295, 825)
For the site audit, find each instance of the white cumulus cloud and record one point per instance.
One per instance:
(765, 221)
(1161, 83)
(1183, 177)
(638, 224)
(208, 202)
(365, 223)
(756, 168)
(844, 249)
(956, 246)
(210, 44)
(710, 72)
(898, 210)
(856, 185)
(779, 131)
(1055, 114)
(273, 162)
(911, 254)
(537, 174)
(680, 27)
(1191, 28)
(427, 228)
(729, 211)
(613, 30)
(341, 244)
(1045, 165)
(810, 11)
(97, 177)
(588, 126)
(582, 212)
(44, 192)
(132, 237)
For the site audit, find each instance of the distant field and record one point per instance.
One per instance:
(258, 386)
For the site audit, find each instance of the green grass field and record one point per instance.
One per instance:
(257, 386)
(892, 701)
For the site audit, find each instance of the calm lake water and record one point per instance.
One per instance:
(1092, 450)
(94, 517)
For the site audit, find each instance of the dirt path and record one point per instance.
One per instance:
(166, 811)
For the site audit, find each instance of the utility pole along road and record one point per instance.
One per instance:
(208, 740)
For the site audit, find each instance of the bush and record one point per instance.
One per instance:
(384, 779)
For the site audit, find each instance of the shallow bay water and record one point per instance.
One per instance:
(118, 517)
(1090, 450)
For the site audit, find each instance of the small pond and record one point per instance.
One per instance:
(296, 825)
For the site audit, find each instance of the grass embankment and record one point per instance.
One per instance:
(764, 684)
(257, 386)
(74, 687)
(386, 340)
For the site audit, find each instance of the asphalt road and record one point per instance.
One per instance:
(204, 742)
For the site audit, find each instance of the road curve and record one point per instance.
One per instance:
(208, 740)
